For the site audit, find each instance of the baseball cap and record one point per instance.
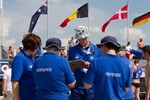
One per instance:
(39, 51)
(10, 46)
(81, 32)
(54, 42)
(109, 39)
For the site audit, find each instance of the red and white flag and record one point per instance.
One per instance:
(121, 14)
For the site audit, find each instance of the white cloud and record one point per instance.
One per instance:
(55, 1)
(7, 43)
(65, 42)
(95, 29)
(7, 23)
(60, 31)
(134, 34)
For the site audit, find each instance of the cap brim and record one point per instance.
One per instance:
(60, 48)
(117, 45)
(98, 45)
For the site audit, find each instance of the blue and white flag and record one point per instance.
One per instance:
(35, 17)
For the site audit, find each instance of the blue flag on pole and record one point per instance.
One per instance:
(35, 17)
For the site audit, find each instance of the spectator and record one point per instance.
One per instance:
(108, 73)
(146, 55)
(128, 48)
(128, 95)
(10, 52)
(137, 72)
(6, 85)
(57, 71)
(18, 50)
(23, 85)
(71, 43)
(86, 51)
(140, 43)
(63, 54)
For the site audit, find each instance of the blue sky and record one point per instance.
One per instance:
(17, 15)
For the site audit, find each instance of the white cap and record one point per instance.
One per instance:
(81, 32)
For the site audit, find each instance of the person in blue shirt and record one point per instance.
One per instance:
(137, 72)
(128, 95)
(52, 73)
(23, 85)
(86, 51)
(137, 53)
(108, 73)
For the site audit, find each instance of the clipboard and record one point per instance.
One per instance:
(77, 63)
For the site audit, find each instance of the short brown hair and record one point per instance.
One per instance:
(112, 46)
(136, 61)
(31, 42)
(146, 48)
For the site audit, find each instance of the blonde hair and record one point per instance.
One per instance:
(121, 52)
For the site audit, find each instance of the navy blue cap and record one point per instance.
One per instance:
(109, 39)
(39, 51)
(54, 42)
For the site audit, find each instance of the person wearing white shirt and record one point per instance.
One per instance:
(6, 86)
(128, 48)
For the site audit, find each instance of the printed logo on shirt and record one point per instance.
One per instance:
(91, 58)
(110, 74)
(85, 70)
(86, 51)
(44, 70)
(77, 57)
(30, 66)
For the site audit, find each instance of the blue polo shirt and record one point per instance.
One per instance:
(52, 75)
(109, 76)
(129, 94)
(22, 72)
(87, 54)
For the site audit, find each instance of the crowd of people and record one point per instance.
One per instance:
(106, 73)
(13, 52)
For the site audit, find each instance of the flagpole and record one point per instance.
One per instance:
(127, 21)
(88, 18)
(1, 15)
(47, 17)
